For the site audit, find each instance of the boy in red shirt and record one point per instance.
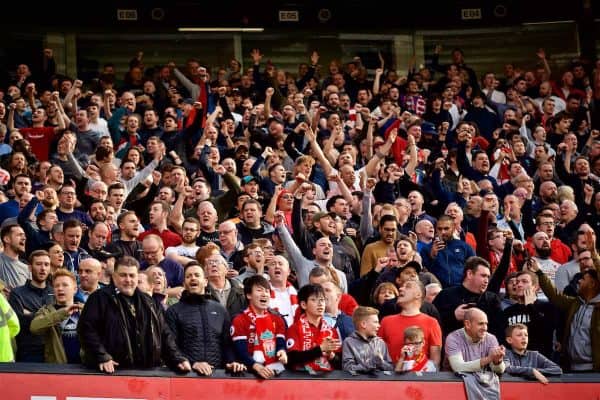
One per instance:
(258, 334)
(312, 344)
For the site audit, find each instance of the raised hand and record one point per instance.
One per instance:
(256, 56)
(314, 58)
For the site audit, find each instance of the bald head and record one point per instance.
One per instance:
(476, 324)
(473, 314)
(90, 271)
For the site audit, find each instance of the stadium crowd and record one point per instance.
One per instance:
(258, 219)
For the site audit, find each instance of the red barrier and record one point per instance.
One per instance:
(18, 386)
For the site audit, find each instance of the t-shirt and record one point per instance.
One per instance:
(182, 250)
(70, 339)
(458, 342)
(39, 139)
(392, 332)
(13, 273)
(169, 238)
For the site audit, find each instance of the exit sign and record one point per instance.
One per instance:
(127, 14)
(289, 16)
(470, 13)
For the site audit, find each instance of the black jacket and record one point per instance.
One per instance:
(450, 298)
(201, 328)
(105, 328)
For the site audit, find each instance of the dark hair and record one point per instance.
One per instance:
(255, 280)
(116, 185)
(71, 223)
(310, 290)
(473, 264)
(43, 215)
(332, 201)
(192, 263)
(592, 273)
(67, 185)
(387, 218)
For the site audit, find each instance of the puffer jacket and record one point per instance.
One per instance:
(201, 329)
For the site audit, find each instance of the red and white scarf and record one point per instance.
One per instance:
(279, 303)
(416, 364)
(262, 340)
(309, 341)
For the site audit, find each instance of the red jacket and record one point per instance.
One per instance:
(561, 253)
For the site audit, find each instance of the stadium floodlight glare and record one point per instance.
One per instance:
(215, 29)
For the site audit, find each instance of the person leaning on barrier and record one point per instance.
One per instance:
(121, 326)
(201, 326)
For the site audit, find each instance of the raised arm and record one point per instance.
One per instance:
(381, 153)
(312, 139)
(300, 263)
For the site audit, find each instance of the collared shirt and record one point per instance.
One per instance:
(222, 294)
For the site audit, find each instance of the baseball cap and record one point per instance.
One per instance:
(249, 178)
(322, 214)
(411, 264)
(428, 128)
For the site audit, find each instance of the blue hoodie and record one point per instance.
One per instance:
(449, 264)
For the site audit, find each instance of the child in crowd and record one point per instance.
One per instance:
(312, 344)
(413, 358)
(258, 334)
(385, 291)
(522, 362)
(363, 351)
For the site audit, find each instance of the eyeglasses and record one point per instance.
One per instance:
(68, 193)
(151, 252)
(226, 232)
(317, 299)
(546, 224)
(287, 197)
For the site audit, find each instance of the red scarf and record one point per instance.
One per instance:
(262, 341)
(309, 341)
(291, 291)
(419, 363)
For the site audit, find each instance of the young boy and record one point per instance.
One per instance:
(258, 334)
(363, 351)
(312, 344)
(412, 357)
(520, 361)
